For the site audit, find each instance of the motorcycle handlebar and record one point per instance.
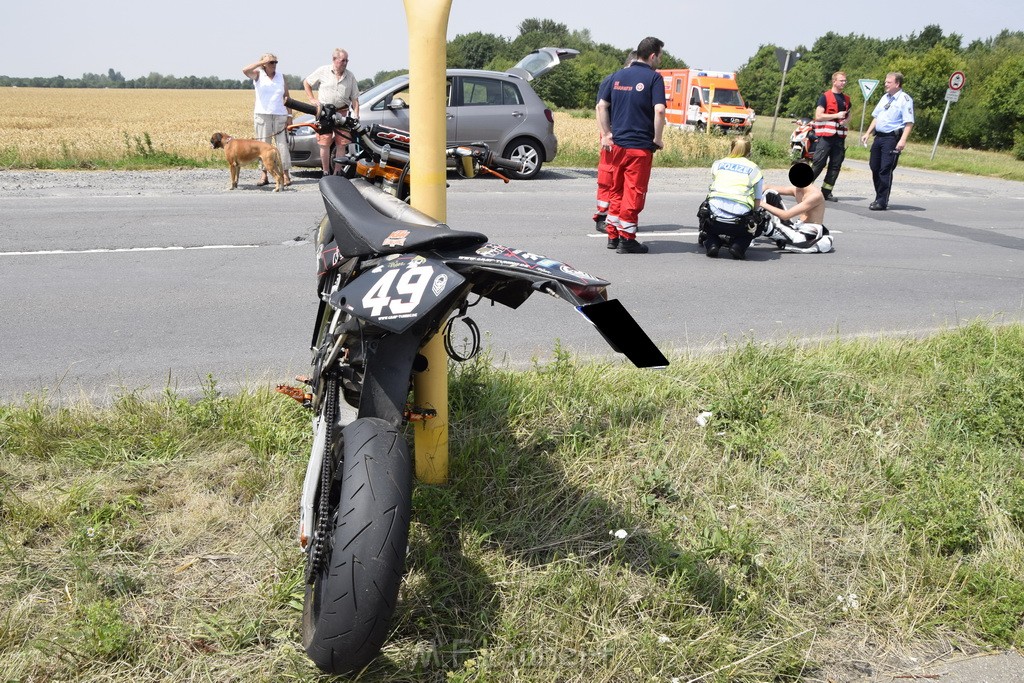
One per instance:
(327, 116)
(485, 157)
(297, 105)
(507, 164)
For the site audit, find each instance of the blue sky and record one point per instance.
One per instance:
(188, 37)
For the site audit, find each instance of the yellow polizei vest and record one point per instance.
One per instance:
(734, 179)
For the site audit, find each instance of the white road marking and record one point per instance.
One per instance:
(651, 233)
(692, 233)
(55, 252)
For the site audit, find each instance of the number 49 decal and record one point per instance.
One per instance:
(408, 290)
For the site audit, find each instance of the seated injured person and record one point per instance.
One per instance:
(800, 228)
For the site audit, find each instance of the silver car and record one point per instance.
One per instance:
(497, 108)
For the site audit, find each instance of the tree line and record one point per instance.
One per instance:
(114, 79)
(989, 115)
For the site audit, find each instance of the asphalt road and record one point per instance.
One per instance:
(115, 281)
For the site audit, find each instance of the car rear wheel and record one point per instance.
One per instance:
(529, 152)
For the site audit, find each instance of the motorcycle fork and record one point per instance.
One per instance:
(389, 362)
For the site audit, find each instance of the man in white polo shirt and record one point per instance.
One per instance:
(338, 86)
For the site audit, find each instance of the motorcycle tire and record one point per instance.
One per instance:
(349, 604)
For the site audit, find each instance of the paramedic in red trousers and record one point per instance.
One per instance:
(604, 166)
(830, 121)
(892, 123)
(631, 115)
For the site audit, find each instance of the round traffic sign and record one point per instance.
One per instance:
(957, 80)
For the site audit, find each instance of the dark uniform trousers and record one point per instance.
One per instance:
(740, 233)
(884, 158)
(829, 149)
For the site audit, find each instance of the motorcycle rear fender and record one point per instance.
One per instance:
(509, 276)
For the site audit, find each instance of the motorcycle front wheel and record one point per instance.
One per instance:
(353, 593)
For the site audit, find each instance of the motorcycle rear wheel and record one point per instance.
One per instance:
(348, 606)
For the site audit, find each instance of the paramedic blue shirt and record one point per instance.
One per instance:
(633, 93)
(893, 112)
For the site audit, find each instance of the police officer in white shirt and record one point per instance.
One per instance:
(893, 120)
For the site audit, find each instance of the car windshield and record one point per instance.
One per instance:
(381, 87)
(725, 97)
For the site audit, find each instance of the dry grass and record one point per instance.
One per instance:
(93, 126)
(578, 147)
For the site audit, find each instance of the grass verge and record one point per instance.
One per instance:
(139, 154)
(842, 502)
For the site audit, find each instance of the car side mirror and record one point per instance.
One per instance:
(397, 103)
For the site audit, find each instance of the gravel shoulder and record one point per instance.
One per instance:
(125, 183)
(855, 177)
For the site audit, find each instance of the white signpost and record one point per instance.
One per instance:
(867, 86)
(956, 82)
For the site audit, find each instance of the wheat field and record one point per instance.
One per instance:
(68, 127)
(86, 125)
(578, 144)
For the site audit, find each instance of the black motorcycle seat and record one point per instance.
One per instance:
(360, 230)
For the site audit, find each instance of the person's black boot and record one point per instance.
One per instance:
(627, 246)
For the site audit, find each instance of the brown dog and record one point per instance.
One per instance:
(243, 150)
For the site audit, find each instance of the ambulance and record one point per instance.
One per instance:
(693, 97)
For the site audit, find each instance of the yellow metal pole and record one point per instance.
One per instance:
(428, 29)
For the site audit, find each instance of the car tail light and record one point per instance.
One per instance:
(549, 115)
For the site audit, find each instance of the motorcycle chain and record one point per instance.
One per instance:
(316, 557)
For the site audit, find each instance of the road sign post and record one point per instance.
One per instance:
(787, 58)
(956, 82)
